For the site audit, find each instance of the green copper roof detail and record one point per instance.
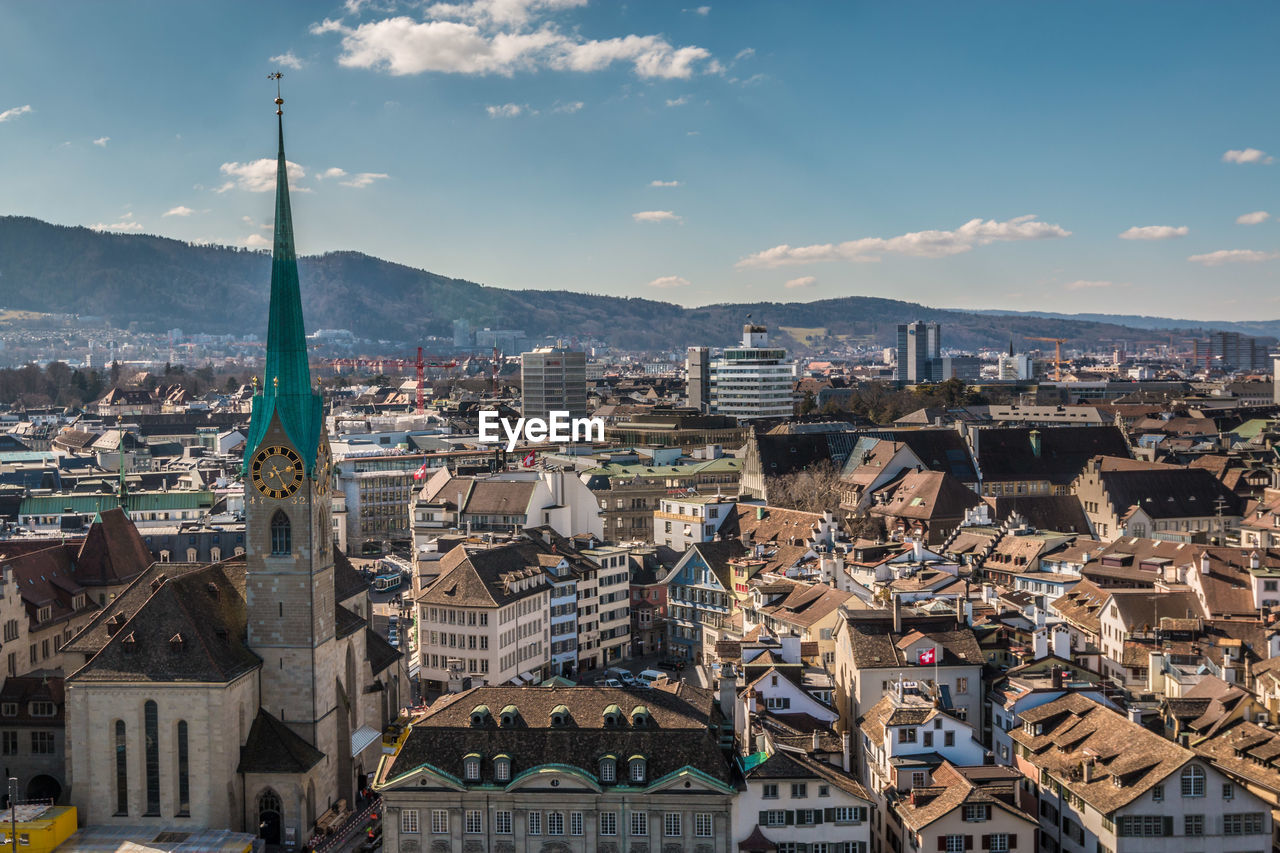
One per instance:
(286, 388)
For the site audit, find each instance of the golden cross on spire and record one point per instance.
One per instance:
(279, 100)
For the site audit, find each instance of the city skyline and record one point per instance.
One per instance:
(1002, 157)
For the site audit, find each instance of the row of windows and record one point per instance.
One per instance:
(42, 743)
(557, 823)
(151, 764)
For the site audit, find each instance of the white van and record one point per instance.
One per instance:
(648, 676)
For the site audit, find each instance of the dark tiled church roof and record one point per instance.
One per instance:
(272, 747)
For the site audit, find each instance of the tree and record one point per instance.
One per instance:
(807, 404)
(815, 488)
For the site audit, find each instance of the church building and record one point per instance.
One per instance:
(251, 693)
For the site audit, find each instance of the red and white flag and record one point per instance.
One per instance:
(927, 656)
(421, 473)
(529, 459)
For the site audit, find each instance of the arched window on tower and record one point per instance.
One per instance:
(184, 772)
(122, 770)
(151, 742)
(281, 535)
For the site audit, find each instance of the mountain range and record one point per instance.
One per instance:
(156, 283)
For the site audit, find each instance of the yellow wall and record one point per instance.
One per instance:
(46, 833)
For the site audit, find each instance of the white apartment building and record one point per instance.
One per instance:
(486, 618)
(683, 521)
(753, 380)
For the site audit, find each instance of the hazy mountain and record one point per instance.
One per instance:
(159, 283)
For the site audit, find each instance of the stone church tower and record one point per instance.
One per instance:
(248, 694)
(289, 591)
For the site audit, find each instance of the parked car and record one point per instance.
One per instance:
(648, 676)
(608, 682)
(673, 664)
(623, 675)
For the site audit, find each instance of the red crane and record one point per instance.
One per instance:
(420, 408)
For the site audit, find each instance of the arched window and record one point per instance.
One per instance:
(1192, 781)
(193, 555)
(215, 554)
(122, 771)
(151, 733)
(637, 768)
(270, 815)
(608, 769)
(281, 535)
(472, 767)
(502, 768)
(184, 771)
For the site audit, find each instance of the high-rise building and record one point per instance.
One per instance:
(553, 379)
(1234, 351)
(753, 380)
(698, 378)
(461, 334)
(919, 346)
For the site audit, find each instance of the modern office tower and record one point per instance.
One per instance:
(753, 380)
(919, 347)
(553, 379)
(698, 378)
(461, 334)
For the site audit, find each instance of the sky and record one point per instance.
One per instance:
(1118, 157)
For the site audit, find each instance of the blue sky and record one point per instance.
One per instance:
(956, 154)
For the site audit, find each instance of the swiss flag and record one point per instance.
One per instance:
(529, 459)
(421, 473)
(926, 656)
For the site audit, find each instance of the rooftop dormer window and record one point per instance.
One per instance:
(509, 716)
(608, 769)
(559, 716)
(612, 717)
(41, 708)
(471, 767)
(640, 717)
(502, 768)
(479, 716)
(637, 769)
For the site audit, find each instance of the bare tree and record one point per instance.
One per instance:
(815, 488)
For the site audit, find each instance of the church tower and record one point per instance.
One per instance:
(290, 584)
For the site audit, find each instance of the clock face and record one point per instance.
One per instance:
(276, 471)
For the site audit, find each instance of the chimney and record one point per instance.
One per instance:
(816, 740)
(1255, 562)
(917, 551)
(728, 690)
(1135, 715)
(1204, 563)
(1086, 769)
(1056, 676)
(897, 615)
(845, 744)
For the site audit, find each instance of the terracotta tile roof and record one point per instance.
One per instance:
(486, 577)
(928, 494)
(1127, 758)
(953, 789)
(1245, 751)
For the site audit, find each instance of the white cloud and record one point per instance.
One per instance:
(489, 38)
(500, 12)
(259, 176)
(1088, 285)
(745, 53)
(102, 141)
(655, 216)
(669, 281)
(802, 281)
(1233, 256)
(700, 10)
(504, 110)
(256, 241)
(664, 183)
(923, 244)
(571, 107)
(364, 179)
(287, 60)
(11, 114)
(180, 210)
(126, 223)
(1247, 155)
(332, 172)
(1155, 232)
(678, 102)
(1256, 218)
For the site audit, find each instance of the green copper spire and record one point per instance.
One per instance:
(286, 389)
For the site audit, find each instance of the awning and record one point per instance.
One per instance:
(527, 676)
(362, 738)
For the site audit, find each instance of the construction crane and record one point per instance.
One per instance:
(1057, 354)
(418, 402)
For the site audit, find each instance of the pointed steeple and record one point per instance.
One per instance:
(286, 392)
